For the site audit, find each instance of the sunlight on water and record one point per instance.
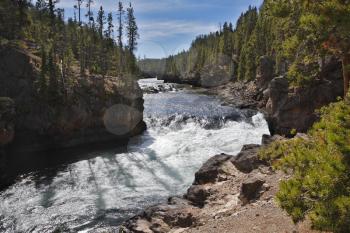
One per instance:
(184, 130)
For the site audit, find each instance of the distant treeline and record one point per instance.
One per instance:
(296, 35)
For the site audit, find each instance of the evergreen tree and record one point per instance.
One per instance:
(109, 31)
(43, 73)
(132, 29)
(121, 13)
(90, 14)
(101, 20)
(52, 9)
(78, 7)
(329, 24)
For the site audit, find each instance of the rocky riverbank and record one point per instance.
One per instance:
(237, 193)
(229, 194)
(286, 107)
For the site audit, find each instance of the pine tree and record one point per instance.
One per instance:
(329, 24)
(90, 14)
(52, 9)
(78, 7)
(43, 73)
(121, 13)
(109, 31)
(40, 5)
(132, 29)
(101, 20)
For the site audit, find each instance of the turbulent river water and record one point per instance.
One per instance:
(105, 187)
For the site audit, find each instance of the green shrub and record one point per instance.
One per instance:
(320, 165)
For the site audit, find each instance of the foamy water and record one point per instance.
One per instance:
(185, 129)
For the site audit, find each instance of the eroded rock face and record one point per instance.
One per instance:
(265, 72)
(95, 109)
(294, 108)
(7, 121)
(290, 109)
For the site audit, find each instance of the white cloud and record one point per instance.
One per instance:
(142, 6)
(151, 30)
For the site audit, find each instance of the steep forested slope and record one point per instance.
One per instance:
(62, 77)
(299, 36)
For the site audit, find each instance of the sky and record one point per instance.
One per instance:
(169, 26)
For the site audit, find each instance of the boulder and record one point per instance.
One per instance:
(250, 189)
(215, 168)
(247, 160)
(197, 194)
(163, 218)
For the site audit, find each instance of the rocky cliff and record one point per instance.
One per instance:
(287, 108)
(93, 108)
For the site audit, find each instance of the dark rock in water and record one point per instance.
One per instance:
(250, 190)
(169, 78)
(265, 72)
(247, 160)
(215, 167)
(197, 194)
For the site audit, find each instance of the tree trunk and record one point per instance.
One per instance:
(346, 73)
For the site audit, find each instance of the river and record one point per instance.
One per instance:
(104, 187)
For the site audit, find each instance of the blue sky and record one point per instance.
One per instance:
(169, 26)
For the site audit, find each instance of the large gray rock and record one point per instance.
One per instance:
(215, 168)
(250, 189)
(247, 160)
(197, 194)
(163, 218)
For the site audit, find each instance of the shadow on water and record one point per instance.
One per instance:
(46, 165)
(143, 166)
(122, 175)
